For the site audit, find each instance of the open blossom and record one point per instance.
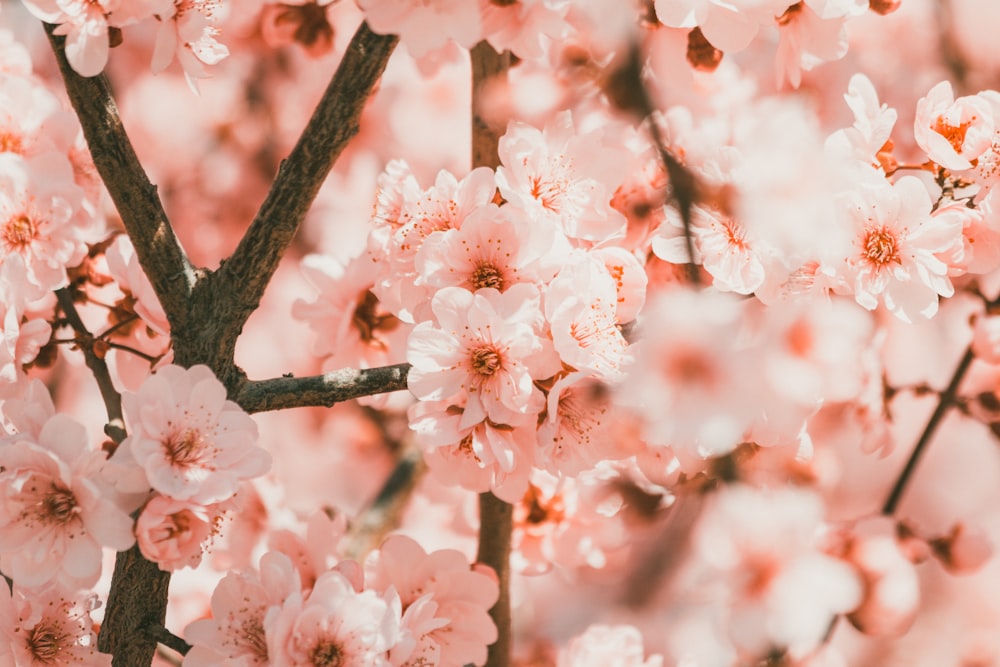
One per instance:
(728, 26)
(55, 511)
(562, 176)
(186, 440)
(187, 30)
(954, 133)
(175, 533)
(900, 248)
(85, 24)
(873, 123)
(485, 345)
(235, 636)
(527, 27)
(603, 645)
(459, 627)
(49, 628)
(21, 339)
(333, 624)
(40, 216)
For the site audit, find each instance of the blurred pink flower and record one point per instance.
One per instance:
(458, 627)
(427, 25)
(186, 440)
(604, 645)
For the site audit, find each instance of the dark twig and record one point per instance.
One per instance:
(325, 390)
(946, 401)
(241, 280)
(156, 246)
(163, 636)
(112, 399)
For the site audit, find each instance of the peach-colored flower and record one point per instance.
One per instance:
(186, 440)
(48, 628)
(954, 133)
(603, 645)
(175, 533)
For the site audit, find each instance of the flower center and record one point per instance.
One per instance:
(59, 506)
(486, 360)
(955, 134)
(881, 247)
(11, 143)
(186, 449)
(20, 231)
(326, 654)
(487, 275)
(46, 642)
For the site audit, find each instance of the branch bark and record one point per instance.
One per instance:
(159, 252)
(496, 517)
(320, 390)
(239, 283)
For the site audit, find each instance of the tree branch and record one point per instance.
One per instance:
(241, 279)
(325, 390)
(946, 401)
(496, 517)
(159, 252)
(115, 428)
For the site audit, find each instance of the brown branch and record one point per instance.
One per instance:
(496, 517)
(137, 602)
(115, 428)
(241, 280)
(320, 390)
(163, 636)
(138, 204)
(947, 400)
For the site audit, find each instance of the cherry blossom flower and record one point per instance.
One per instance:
(953, 133)
(602, 645)
(581, 305)
(807, 39)
(482, 457)
(459, 627)
(187, 31)
(496, 247)
(175, 533)
(48, 628)
(728, 26)
(85, 24)
(781, 590)
(40, 215)
(486, 346)
(334, 623)
(235, 634)
(55, 511)
(873, 122)
(577, 433)
(525, 27)
(563, 176)
(425, 26)
(22, 338)
(898, 249)
(186, 440)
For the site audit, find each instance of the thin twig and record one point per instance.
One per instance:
(136, 199)
(163, 636)
(320, 390)
(946, 401)
(112, 399)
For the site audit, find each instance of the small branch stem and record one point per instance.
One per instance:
(947, 400)
(496, 523)
(163, 636)
(112, 399)
(320, 390)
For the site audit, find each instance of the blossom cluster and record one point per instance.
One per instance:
(403, 608)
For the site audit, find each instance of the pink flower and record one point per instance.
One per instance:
(235, 635)
(486, 346)
(425, 26)
(458, 625)
(806, 40)
(576, 433)
(85, 24)
(603, 645)
(187, 30)
(20, 338)
(175, 533)
(334, 624)
(562, 176)
(728, 26)
(898, 248)
(581, 305)
(49, 628)
(55, 511)
(953, 133)
(527, 27)
(40, 215)
(186, 440)
(873, 122)
(497, 246)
